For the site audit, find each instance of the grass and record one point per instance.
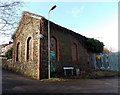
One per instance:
(54, 79)
(90, 75)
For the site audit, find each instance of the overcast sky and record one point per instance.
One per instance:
(92, 19)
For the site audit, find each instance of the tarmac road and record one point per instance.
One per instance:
(16, 83)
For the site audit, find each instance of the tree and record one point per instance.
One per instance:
(8, 54)
(94, 45)
(9, 15)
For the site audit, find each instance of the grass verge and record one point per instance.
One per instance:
(54, 79)
(91, 75)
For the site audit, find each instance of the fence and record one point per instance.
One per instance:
(106, 61)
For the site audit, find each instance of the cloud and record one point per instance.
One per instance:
(76, 11)
(4, 39)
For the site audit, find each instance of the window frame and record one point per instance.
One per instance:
(57, 46)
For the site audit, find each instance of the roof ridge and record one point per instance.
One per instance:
(32, 15)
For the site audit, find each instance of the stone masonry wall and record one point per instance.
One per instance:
(28, 27)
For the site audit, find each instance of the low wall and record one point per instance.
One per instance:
(7, 64)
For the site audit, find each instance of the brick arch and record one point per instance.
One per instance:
(75, 52)
(29, 48)
(57, 47)
(18, 51)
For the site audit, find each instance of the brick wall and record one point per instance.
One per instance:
(66, 40)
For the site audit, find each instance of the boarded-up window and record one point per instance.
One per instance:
(18, 52)
(29, 48)
(74, 52)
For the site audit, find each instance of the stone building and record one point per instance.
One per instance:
(30, 52)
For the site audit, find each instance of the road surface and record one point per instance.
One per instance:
(16, 83)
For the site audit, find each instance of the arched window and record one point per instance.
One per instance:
(74, 52)
(18, 52)
(53, 47)
(29, 48)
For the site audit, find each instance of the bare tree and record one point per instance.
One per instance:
(106, 50)
(9, 15)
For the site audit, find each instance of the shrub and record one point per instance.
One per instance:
(94, 45)
(8, 54)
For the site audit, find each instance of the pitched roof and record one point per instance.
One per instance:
(82, 39)
(32, 15)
